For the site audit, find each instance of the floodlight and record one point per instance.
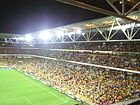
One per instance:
(83, 34)
(123, 27)
(28, 37)
(119, 19)
(59, 33)
(21, 38)
(44, 35)
(71, 33)
(138, 25)
(78, 31)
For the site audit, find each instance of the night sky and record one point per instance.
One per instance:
(23, 16)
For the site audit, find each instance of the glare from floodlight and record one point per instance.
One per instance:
(59, 33)
(138, 25)
(83, 34)
(119, 19)
(123, 27)
(71, 33)
(21, 38)
(44, 35)
(78, 31)
(28, 37)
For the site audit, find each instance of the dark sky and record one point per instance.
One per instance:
(23, 16)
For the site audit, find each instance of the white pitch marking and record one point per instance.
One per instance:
(28, 100)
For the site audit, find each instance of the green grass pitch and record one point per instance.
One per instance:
(16, 88)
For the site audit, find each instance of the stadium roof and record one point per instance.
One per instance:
(128, 20)
(94, 23)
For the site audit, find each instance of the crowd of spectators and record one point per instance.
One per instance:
(119, 60)
(113, 60)
(97, 85)
(101, 46)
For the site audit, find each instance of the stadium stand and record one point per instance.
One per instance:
(96, 85)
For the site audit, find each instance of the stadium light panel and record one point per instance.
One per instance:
(28, 37)
(71, 33)
(59, 33)
(138, 25)
(78, 31)
(83, 33)
(44, 35)
(21, 38)
(123, 27)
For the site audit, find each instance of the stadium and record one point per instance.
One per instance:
(93, 62)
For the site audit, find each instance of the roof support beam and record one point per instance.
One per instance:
(123, 7)
(95, 9)
(113, 6)
(132, 8)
